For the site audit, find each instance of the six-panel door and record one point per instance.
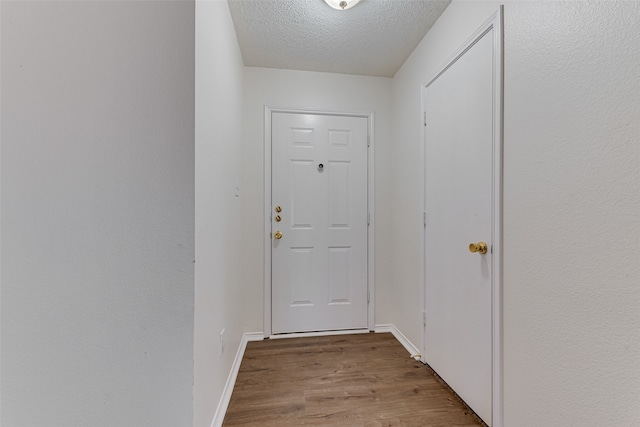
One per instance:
(319, 183)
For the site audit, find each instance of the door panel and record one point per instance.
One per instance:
(458, 201)
(319, 179)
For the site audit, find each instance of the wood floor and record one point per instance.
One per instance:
(344, 380)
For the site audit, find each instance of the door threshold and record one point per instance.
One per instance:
(319, 333)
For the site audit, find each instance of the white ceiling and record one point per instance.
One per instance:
(373, 38)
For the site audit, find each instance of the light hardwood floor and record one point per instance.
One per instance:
(344, 380)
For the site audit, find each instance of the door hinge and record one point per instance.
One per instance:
(425, 118)
(424, 318)
(424, 218)
(368, 218)
(368, 140)
(368, 295)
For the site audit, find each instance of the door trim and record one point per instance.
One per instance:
(267, 208)
(494, 23)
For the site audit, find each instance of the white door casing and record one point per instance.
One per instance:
(463, 148)
(319, 265)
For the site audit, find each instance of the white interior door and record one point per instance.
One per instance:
(319, 222)
(459, 141)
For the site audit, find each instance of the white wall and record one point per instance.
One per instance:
(220, 296)
(0, 214)
(315, 91)
(458, 22)
(572, 199)
(97, 213)
(571, 223)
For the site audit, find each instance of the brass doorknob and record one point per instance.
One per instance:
(277, 235)
(480, 247)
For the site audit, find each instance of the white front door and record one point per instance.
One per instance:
(319, 222)
(459, 144)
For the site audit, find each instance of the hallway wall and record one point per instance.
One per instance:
(572, 214)
(220, 302)
(97, 213)
(571, 223)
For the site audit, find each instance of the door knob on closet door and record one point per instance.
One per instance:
(277, 235)
(480, 247)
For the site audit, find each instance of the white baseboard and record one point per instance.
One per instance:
(411, 348)
(321, 333)
(223, 404)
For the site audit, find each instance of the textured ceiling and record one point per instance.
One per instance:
(373, 38)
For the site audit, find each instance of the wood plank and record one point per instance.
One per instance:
(344, 380)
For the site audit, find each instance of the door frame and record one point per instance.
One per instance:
(495, 23)
(268, 111)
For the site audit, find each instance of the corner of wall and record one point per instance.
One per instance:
(223, 403)
(220, 285)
